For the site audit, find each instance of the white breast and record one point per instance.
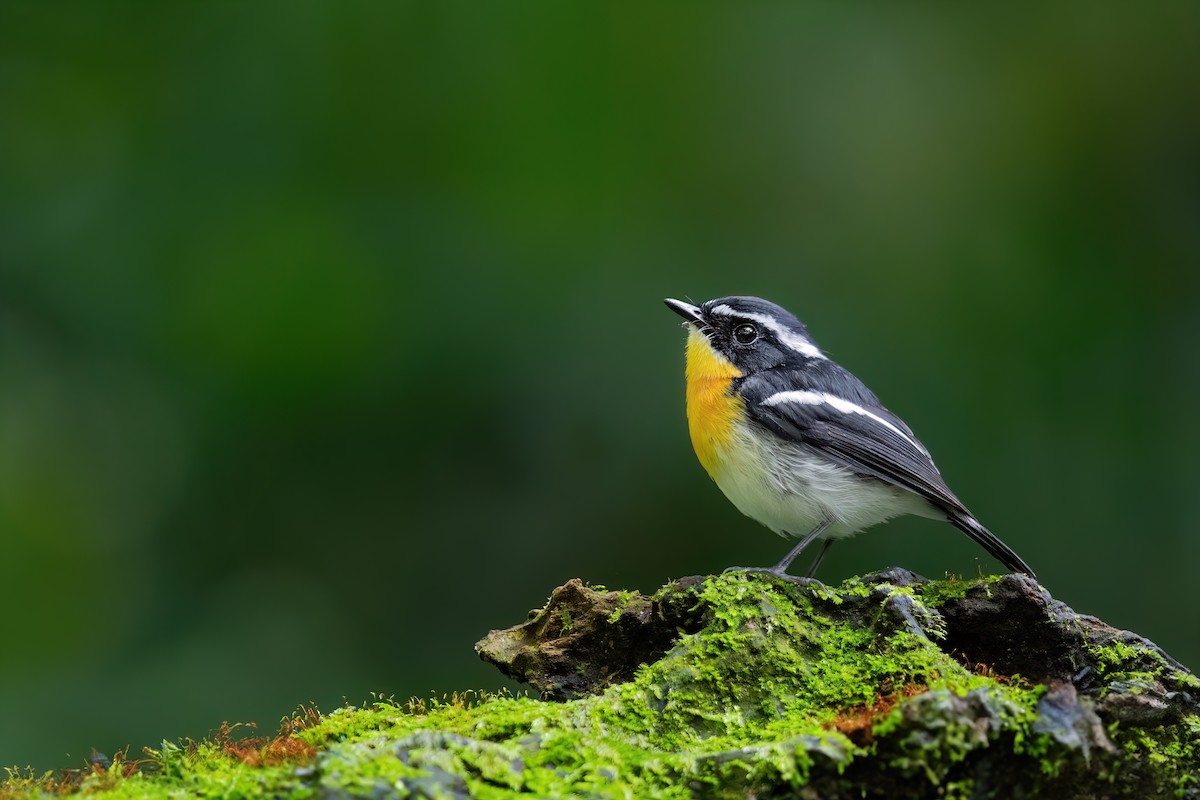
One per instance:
(790, 488)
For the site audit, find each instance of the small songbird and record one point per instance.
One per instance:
(798, 443)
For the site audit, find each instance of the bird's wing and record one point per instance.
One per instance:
(867, 440)
(861, 439)
(872, 441)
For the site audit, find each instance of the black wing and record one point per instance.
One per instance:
(870, 440)
(861, 443)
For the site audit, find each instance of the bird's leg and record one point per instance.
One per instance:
(809, 538)
(825, 545)
(781, 567)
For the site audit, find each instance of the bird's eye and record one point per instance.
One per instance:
(745, 333)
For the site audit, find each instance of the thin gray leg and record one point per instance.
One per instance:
(781, 567)
(810, 537)
(825, 545)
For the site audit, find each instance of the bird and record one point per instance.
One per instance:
(798, 443)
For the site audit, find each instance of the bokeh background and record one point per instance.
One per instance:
(331, 334)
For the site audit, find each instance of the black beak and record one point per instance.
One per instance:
(686, 310)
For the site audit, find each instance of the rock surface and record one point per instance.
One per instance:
(585, 639)
(982, 688)
(740, 686)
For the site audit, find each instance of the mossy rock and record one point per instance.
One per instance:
(747, 685)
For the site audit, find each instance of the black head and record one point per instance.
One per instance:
(752, 333)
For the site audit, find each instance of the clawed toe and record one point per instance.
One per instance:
(775, 572)
(768, 570)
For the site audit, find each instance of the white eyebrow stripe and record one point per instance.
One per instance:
(790, 338)
(810, 398)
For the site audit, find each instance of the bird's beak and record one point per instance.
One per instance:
(686, 310)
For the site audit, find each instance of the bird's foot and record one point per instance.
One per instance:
(771, 570)
(775, 571)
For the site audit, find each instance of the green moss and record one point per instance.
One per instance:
(1131, 669)
(1163, 747)
(624, 598)
(788, 684)
(937, 593)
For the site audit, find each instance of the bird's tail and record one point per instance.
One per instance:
(988, 541)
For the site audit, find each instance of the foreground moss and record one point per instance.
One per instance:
(884, 686)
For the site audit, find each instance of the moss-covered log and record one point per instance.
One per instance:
(749, 685)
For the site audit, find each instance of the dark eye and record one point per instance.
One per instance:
(745, 333)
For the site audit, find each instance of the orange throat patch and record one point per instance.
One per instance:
(712, 409)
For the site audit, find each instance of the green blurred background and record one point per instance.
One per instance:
(331, 336)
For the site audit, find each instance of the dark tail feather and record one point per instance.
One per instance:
(988, 541)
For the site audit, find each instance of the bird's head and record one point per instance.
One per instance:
(748, 334)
